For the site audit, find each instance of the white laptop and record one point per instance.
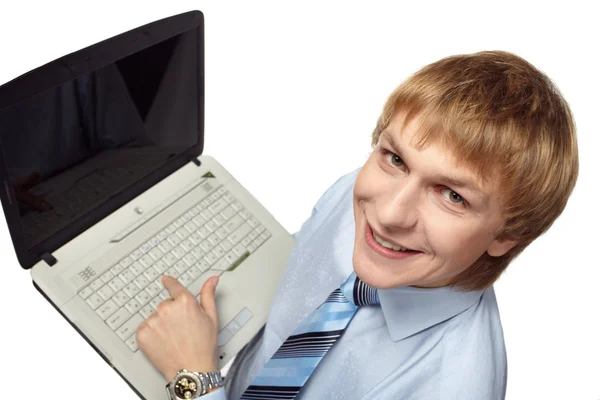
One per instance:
(105, 189)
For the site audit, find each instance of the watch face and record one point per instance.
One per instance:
(186, 387)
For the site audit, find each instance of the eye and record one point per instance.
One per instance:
(454, 197)
(394, 159)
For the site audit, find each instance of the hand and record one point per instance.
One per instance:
(182, 333)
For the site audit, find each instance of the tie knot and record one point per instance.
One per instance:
(358, 292)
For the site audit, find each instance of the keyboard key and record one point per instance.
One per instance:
(203, 265)
(141, 281)
(185, 279)
(194, 271)
(214, 239)
(151, 274)
(245, 214)
(187, 245)
(174, 240)
(97, 284)
(246, 241)
(221, 265)
(132, 343)
(133, 306)
(147, 260)
(126, 262)
(116, 284)
(199, 221)
(145, 248)
(131, 289)
(107, 309)
(94, 301)
(147, 311)
(222, 233)
(154, 288)
(239, 233)
(136, 268)
(108, 276)
(106, 292)
(136, 255)
(189, 259)
(190, 227)
(162, 235)
(170, 229)
(156, 253)
(260, 229)
(204, 232)
(165, 246)
(210, 258)
(207, 215)
(127, 276)
(228, 197)
(86, 292)
(215, 196)
(226, 245)
(218, 219)
(237, 206)
(170, 259)
(179, 222)
(253, 235)
(231, 257)
(253, 222)
(238, 249)
(222, 190)
(206, 246)
(211, 226)
(178, 252)
(118, 318)
(217, 206)
(265, 235)
(218, 251)
(154, 241)
(180, 266)
(194, 211)
(251, 247)
(117, 269)
(160, 266)
(228, 212)
(143, 297)
(130, 327)
(187, 216)
(121, 298)
(195, 238)
(234, 223)
(172, 272)
(182, 233)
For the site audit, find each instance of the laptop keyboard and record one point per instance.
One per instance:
(213, 236)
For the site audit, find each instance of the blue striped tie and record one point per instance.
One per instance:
(291, 366)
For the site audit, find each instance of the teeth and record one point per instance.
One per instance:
(388, 244)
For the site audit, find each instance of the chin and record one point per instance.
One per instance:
(374, 275)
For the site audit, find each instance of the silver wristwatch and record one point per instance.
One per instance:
(191, 385)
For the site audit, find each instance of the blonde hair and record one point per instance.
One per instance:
(500, 116)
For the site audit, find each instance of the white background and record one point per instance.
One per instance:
(293, 92)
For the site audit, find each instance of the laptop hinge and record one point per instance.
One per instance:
(195, 161)
(49, 258)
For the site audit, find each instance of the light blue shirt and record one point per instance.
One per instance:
(420, 344)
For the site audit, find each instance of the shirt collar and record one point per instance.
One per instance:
(408, 310)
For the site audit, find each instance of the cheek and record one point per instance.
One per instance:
(461, 241)
(368, 180)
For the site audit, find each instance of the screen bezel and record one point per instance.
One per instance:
(70, 67)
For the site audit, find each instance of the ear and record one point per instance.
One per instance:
(501, 247)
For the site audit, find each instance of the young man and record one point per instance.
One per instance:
(474, 157)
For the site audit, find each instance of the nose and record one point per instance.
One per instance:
(398, 208)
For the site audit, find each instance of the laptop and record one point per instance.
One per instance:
(105, 189)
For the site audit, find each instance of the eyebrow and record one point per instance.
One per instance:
(454, 182)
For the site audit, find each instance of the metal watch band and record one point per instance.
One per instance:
(215, 379)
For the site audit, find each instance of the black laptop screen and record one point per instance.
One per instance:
(72, 148)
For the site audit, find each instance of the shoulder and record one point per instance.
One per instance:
(337, 192)
(474, 356)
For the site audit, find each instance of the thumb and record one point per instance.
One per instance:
(207, 298)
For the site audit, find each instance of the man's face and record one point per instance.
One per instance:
(420, 200)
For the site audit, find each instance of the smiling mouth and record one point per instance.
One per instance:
(385, 248)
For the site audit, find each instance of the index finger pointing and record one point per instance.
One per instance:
(173, 286)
